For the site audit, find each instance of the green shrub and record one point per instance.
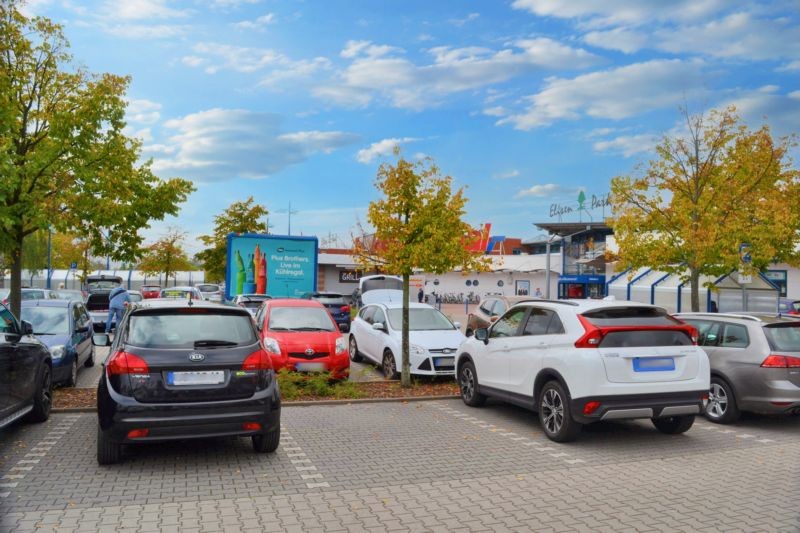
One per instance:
(297, 385)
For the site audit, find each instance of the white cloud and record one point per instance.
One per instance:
(226, 4)
(496, 111)
(220, 144)
(792, 66)
(258, 24)
(610, 12)
(628, 145)
(506, 175)
(539, 191)
(145, 31)
(142, 111)
(294, 70)
(462, 21)
(378, 71)
(736, 35)
(622, 39)
(142, 10)
(227, 57)
(768, 105)
(380, 149)
(617, 93)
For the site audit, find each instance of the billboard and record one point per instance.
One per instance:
(281, 266)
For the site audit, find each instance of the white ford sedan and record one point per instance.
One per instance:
(376, 335)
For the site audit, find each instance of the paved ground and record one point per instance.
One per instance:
(417, 466)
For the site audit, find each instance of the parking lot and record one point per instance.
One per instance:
(416, 466)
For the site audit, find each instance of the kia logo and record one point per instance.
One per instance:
(309, 351)
(195, 357)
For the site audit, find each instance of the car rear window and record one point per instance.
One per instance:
(336, 299)
(207, 288)
(641, 338)
(151, 288)
(630, 316)
(784, 337)
(177, 293)
(181, 328)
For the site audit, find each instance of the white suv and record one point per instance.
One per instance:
(580, 361)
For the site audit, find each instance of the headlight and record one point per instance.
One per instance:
(341, 346)
(419, 350)
(57, 351)
(272, 346)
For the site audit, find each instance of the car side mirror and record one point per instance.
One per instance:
(379, 326)
(482, 334)
(101, 339)
(27, 328)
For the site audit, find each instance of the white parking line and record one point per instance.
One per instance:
(307, 471)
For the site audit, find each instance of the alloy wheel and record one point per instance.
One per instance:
(467, 383)
(717, 401)
(553, 411)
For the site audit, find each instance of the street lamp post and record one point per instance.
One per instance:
(49, 254)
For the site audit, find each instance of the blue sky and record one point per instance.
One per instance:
(524, 102)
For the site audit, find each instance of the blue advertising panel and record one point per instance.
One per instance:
(281, 266)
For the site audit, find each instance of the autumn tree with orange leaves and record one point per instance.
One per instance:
(708, 191)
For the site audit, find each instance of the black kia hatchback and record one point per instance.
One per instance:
(182, 369)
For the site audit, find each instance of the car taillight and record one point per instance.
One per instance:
(345, 309)
(258, 360)
(126, 363)
(138, 433)
(781, 361)
(592, 337)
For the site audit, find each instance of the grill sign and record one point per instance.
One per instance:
(196, 357)
(309, 351)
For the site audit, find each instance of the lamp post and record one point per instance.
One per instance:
(49, 254)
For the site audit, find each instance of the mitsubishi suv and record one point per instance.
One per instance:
(576, 362)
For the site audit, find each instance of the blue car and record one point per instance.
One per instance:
(65, 327)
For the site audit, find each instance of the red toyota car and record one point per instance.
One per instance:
(150, 291)
(301, 335)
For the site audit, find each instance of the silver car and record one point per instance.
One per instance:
(210, 291)
(755, 363)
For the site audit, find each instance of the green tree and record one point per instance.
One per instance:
(706, 193)
(64, 158)
(239, 217)
(418, 225)
(166, 255)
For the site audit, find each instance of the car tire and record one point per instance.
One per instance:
(267, 442)
(90, 361)
(468, 386)
(554, 413)
(721, 408)
(389, 366)
(72, 379)
(108, 451)
(355, 355)
(674, 425)
(43, 400)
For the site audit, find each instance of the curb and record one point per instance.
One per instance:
(304, 403)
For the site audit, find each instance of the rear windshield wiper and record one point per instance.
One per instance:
(213, 342)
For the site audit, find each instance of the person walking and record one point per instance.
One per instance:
(538, 293)
(118, 300)
(420, 295)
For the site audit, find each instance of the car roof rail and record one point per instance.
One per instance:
(544, 300)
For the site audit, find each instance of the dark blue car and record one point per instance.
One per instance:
(66, 328)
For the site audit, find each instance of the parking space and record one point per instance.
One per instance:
(409, 466)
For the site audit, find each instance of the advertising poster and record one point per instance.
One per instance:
(281, 266)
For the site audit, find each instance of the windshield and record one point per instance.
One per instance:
(300, 319)
(135, 297)
(177, 293)
(181, 328)
(784, 337)
(336, 299)
(420, 319)
(68, 295)
(151, 288)
(47, 320)
(381, 283)
(29, 294)
(207, 288)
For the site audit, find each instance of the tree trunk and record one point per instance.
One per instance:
(694, 280)
(15, 296)
(405, 373)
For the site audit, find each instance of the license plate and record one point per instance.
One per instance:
(443, 361)
(309, 367)
(200, 377)
(653, 364)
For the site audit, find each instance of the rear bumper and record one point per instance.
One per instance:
(640, 406)
(119, 414)
(773, 397)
